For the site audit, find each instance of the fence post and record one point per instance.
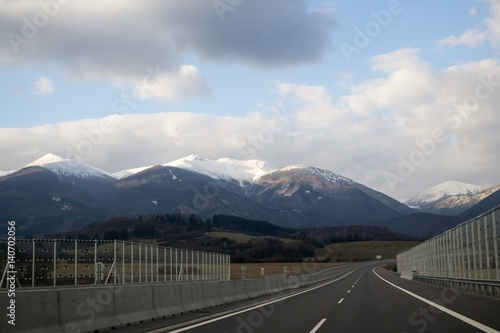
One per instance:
(131, 262)
(55, 263)
(114, 262)
(487, 247)
(146, 262)
(33, 263)
(123, 262)
(95, 261)
(496, 233)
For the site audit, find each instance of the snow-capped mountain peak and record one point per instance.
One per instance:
(5, 173)
(443, 191)
(224, 168)
(47, 159)
(69, 167)
(325, 174)
(129, 172)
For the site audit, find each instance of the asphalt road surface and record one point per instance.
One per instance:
(366, 300)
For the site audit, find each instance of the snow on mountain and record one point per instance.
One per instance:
(466, 200)
(69, 167)
(5, 173)
(224, 168)
(443, 191)
(302, 172)
(325, 174)
(129, 172)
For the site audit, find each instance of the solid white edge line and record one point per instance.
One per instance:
(457, 315)
(165, 329)
(321, 322)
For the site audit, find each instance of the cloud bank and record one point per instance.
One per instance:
(118, 41)
(408, 128)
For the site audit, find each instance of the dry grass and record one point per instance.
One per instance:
(243, 238)
(253, 269)
(355, 251)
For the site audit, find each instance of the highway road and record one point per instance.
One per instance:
(367, 300)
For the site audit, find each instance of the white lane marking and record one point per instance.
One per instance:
(341, 300)
(321, 322)
(457, 315)
(353, 285)
(232, 314)
(348, 291)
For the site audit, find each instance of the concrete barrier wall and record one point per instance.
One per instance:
(79, 310)
(87, 310)
(41, 317)
(167, 300)
(212, 294)
(240, 290)
(134, 304)
(192, 296)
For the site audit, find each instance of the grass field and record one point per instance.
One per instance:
(242, 238)
(355, 251)
(253, 269)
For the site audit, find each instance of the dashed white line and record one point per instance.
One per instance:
(231, 314)
(348, 291)
(321, 322)
(341, 300)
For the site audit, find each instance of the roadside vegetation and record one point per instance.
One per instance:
(250, 241)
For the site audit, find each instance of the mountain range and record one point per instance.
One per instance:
(54, 194)
(450, 198)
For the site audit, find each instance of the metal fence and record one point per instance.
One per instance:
(468, 251)
(55, 262)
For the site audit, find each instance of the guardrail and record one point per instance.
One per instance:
(484, 287)
(95, 308)
(55, 262)
(468, 252)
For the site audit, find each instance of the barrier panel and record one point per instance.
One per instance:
(167, 300)
(42, 316)
(251, 287)
(470, 251)
(212, 294)
(228, 292)
(134, 304)
(90, 309)
(482, 287)
(57, 262)
(240, 290)
(192, 296)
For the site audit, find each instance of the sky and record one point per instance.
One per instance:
(398, 95)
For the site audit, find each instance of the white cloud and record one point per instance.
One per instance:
(489, 30)
(362, 134)
(43, 86)
(173, 86)
(493, 23)
(118, 42)
(471, 38)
